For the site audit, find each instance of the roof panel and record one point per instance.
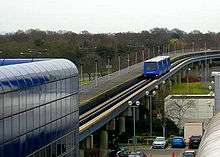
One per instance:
(35, 73)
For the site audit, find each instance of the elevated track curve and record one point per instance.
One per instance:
(94, 118)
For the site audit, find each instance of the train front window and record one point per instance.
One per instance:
(151, 66)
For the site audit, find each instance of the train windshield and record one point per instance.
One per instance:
(151, 66)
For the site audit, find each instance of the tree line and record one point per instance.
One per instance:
(85, 48)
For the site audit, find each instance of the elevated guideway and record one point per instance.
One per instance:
(119, 79)
(103, 113)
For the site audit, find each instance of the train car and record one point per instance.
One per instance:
(157, 66)
(167, 63)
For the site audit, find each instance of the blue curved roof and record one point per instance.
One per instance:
(18, 61)
(31, 73)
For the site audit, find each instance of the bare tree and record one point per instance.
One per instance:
(176, 109)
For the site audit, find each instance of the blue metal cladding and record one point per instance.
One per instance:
(38, 104)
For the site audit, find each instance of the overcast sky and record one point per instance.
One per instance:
(109, 15)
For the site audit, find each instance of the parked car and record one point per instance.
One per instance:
(137, 154)
(121, 154)
(178, 142)
(194, 142)
(189, 153)
(160, 142)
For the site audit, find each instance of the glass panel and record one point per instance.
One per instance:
(63, 88)
(42, 153)
(42, 94)
(15, 126)
(7, 129)
(48, 113)
(53, 110)
(1, 131)
(67, 102)
(59, 131)
(36, 96)
(1, 105)
(59, 108)
(53, 92)
(15, 102)
(64, 108)
(63, 124)
(42, 115)
(59, 147)
(30, 120)
(7, 104)
(54, 149)
(48, 151)
(30, 102)
(59, 89)
(23, 100)
(23, 123)
(36, 117)
(63, 140)
(53, 129)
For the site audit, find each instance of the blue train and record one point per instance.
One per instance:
(157, 66)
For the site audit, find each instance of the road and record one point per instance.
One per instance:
(168, 152)
(164, 153)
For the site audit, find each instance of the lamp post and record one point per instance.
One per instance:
(128, 61)
(133, 106)
(108, 67)
(81, 71)
(206, 67)
(193, 46)
(147, 93)
(187, 78)
(119, 64)
(211, 94)
(96, 72)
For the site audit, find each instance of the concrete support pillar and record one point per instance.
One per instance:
(202, 72)
(175, 79)
(137, 114)
(111, 125)
(170, 84)
(121, 125)
(184, 73)
(127, 112)
(81, 153)
(103, 144)
(89, 142)
(197, 70)
(208, 71)
(210, 61)
(179, 78)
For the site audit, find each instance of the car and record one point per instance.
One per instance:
(121, 154)
(137, 154)
(194, 142)
(189, 153)
(159, 142)
(178, 142)
(156, 66)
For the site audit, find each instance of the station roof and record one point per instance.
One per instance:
(18, 76)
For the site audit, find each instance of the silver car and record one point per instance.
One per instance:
(159, 142)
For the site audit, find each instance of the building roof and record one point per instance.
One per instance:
(12, 61)
(210, 143)
(157, 59)
(14, 77)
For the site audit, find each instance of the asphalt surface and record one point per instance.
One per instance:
(168, 152)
